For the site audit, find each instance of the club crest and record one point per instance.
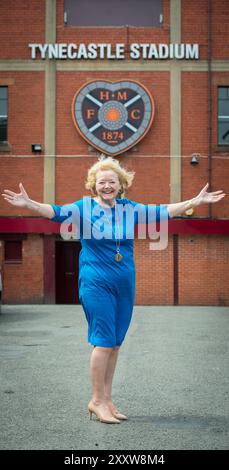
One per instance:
(113, 117)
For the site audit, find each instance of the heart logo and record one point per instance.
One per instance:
(113, 117)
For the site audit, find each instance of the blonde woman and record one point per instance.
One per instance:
(107, 269)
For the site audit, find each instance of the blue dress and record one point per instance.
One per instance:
(106, 287)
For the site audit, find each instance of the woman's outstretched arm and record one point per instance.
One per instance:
(203, 197)
(22, 200)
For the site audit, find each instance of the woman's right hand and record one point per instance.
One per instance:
(16, 199)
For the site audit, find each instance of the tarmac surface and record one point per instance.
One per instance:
(172, 380)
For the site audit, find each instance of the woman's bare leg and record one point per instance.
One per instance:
(98, 365)
(111, 365)
(109, 375)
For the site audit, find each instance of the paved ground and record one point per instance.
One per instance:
(172, 380)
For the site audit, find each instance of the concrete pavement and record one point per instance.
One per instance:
(172, 380)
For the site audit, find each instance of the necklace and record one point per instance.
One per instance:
(118, 257)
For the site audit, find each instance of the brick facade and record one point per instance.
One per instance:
(23, 283)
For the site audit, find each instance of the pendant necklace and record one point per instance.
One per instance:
(118, 257)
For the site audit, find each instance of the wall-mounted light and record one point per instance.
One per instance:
(194, 159)
(36, 148)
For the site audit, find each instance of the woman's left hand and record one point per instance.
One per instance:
(208, 198)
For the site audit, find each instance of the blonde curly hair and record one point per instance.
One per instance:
(109, 163)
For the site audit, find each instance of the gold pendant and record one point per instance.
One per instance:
(118, 257)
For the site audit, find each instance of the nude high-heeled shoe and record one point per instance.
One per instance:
(118, 415)
(115, 412)
(94, 409)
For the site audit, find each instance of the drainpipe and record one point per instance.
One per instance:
(210, 102)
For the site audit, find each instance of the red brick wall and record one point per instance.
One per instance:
(26, 111)
(22, 22)
(194, 135)
(195, 140)
(203, 270)
(195, 26)
(23, 283)
(220, 29)
(26, 127)
(154, 274)
(29, 171)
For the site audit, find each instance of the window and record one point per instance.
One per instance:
(223, 115)
(3, 113)
(113, 13)
(13, 251)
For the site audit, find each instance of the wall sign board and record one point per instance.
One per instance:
(113, 117)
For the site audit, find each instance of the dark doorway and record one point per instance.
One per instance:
(67, 254)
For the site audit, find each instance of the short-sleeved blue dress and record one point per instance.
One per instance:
(107, 287)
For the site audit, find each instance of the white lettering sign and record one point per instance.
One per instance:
(146, 51)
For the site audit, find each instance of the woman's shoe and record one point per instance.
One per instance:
(120, 416)
(94, 409)
(115, 412)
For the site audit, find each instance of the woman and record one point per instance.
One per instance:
(107, 270)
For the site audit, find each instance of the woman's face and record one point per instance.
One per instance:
(107, 185)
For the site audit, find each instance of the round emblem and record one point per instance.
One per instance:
(113, 117)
